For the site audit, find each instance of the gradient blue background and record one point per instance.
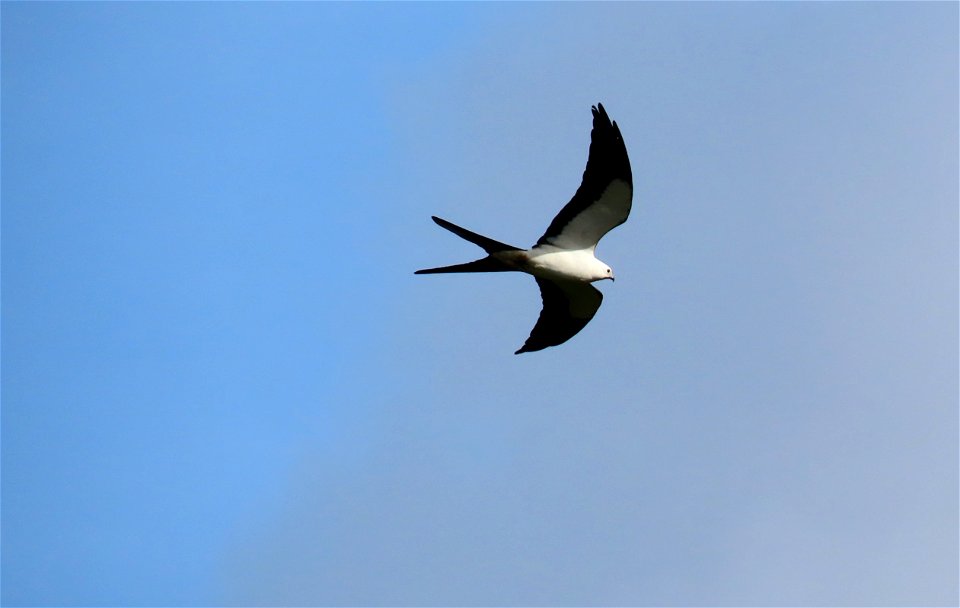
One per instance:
(222, 383)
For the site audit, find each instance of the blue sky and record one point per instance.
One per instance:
(222, 383)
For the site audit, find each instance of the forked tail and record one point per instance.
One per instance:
(487, 264)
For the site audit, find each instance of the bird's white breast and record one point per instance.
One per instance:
(554, 263)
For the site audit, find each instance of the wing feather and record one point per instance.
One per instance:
(605, 195)
(567, 308)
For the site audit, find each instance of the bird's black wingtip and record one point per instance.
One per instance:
(600, 116)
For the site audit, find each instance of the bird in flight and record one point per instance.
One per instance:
(563, 261)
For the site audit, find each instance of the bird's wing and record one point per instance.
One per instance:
(603, 200)
(567, 308)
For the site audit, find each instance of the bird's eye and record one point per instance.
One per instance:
(608, 271)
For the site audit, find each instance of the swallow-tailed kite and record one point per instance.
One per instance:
(563, 261)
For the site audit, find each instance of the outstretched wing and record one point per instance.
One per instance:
(604, 198)
(567, 308)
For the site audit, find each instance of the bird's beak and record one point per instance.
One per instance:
(613, 278)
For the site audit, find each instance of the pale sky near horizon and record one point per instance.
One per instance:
(223, 385)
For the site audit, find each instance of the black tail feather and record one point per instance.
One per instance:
(488, 245)
(487, 264)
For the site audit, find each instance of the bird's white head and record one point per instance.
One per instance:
(600, 271)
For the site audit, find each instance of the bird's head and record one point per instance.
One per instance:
(601, 271)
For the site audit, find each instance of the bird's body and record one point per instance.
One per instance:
(563, 260)
(553, 263)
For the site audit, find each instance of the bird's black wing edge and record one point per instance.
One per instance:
(606, 161)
